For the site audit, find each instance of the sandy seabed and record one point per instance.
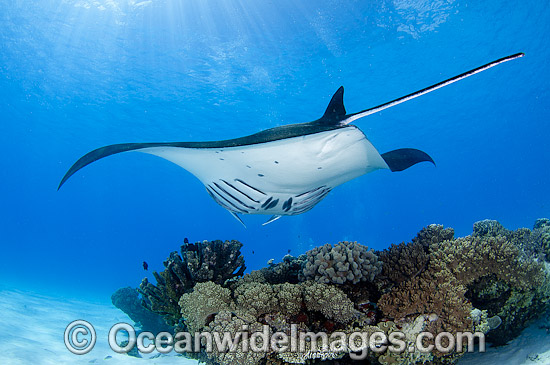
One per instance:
(32, 327)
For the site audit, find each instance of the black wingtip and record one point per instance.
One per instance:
(63, 180)
(101, 153)
(403, 158)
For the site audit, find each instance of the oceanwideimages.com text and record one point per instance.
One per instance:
(80, 338)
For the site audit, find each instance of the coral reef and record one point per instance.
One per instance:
(435, 291)
(214, 261)
(228, 322)
(472, 257)
(402, 262)
(344, 262)
(494, 281)
(432, 234)
(205, 300)
(127, 300)
(330, 301)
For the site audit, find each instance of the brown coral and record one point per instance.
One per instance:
(341, 263)
(435, 291)
(227, 323)
(402, 262)
(257, 298)
(472, 257)
(205, 300)
(329, 300)
(434, 233)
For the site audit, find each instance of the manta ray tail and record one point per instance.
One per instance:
(352, 117)
(403, 158)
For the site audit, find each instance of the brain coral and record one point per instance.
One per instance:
(341, 263)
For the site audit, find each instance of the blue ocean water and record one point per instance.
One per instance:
(80, 74)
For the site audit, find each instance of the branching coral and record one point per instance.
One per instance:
(344, 262)
(287, 271)
(214, 261)
(257, 298)
(489, 228)
(402, 262)
(435, 291)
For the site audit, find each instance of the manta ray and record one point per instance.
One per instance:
(289, 169)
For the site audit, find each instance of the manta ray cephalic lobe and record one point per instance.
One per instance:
(285, 170)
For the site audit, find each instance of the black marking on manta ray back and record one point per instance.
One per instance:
(261, 175)
(267, 202)
(251, 187)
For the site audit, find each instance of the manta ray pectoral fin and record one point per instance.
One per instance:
(236, 216)
(335, 111)
(100, 153)
(272, 219)
(403, 158)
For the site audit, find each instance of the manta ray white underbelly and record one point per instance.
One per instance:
(283, 177)
(285, 170)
